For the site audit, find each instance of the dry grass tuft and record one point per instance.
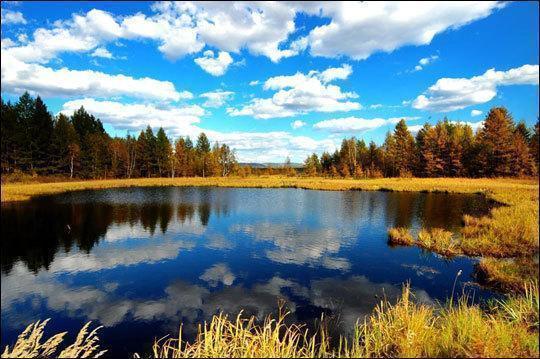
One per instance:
(29, 345)
(400, 236)
(405, 329)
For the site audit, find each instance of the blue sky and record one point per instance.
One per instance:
(274, 79)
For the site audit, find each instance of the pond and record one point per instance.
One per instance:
(141, 260)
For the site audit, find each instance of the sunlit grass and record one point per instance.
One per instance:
(438, 240)
(404, 329)
(502, 328)
(507, 274)
(29, 344)
(400, 236)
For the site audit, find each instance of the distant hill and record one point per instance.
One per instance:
(269, 165)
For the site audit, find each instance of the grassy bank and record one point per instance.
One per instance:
(496, 188)
(506, 328)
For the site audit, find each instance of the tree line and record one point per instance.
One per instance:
(34, 141)
(499, 149)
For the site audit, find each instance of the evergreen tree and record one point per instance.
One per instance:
(403, 150)
(534, 145)
(312, 166)
(24, 108)
(8, 131)
(495, 140)
(523, 162)
(41, 130)
(163, 153)
(202, 149)
(65, 149)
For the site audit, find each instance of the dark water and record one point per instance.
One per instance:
(140, 261)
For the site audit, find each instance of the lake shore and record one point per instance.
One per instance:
(24, 191)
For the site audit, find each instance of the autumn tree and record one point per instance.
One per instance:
(65, 148)
(312, 166)
(495, 141)
(202, 149)
(226, 159)
(163, 152)
(534, 145)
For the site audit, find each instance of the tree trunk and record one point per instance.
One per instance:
(71, 167)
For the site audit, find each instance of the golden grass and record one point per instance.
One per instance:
(29, 345)
(404, 329)
(400, 236)
(507, 274)
(23, 191)
(438, 240)
(506, 328)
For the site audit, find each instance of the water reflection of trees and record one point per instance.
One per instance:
(35, 231)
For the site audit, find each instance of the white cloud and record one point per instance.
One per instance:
(137, 116)
(414, 129)
(427, 60)
(254, 83)
(359, 29)
(423, 62)
(356, 124)
(450, 94)
(263, 28)
(12, 17)
(22, 38)
(301, 93)
(336, 73)
(258, 26)
(7, 42)
(476, 113)
(102, 52)
(216, 98)
(215, 66)
(272, 146)
(297, 124)
(18, 77)
(81, 33)
(218, 273)
(375, 106)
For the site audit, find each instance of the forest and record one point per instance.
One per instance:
(36, 142)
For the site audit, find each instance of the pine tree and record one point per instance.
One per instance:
(8, 131)
(163, 153)
(522, 160)
(41, 129)
(403, 149)
(202, 149)
(495, 140)
(65, 147)
(24, 108)
(534, 145)
(312, 166)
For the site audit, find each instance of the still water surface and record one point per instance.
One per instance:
(141, 260)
